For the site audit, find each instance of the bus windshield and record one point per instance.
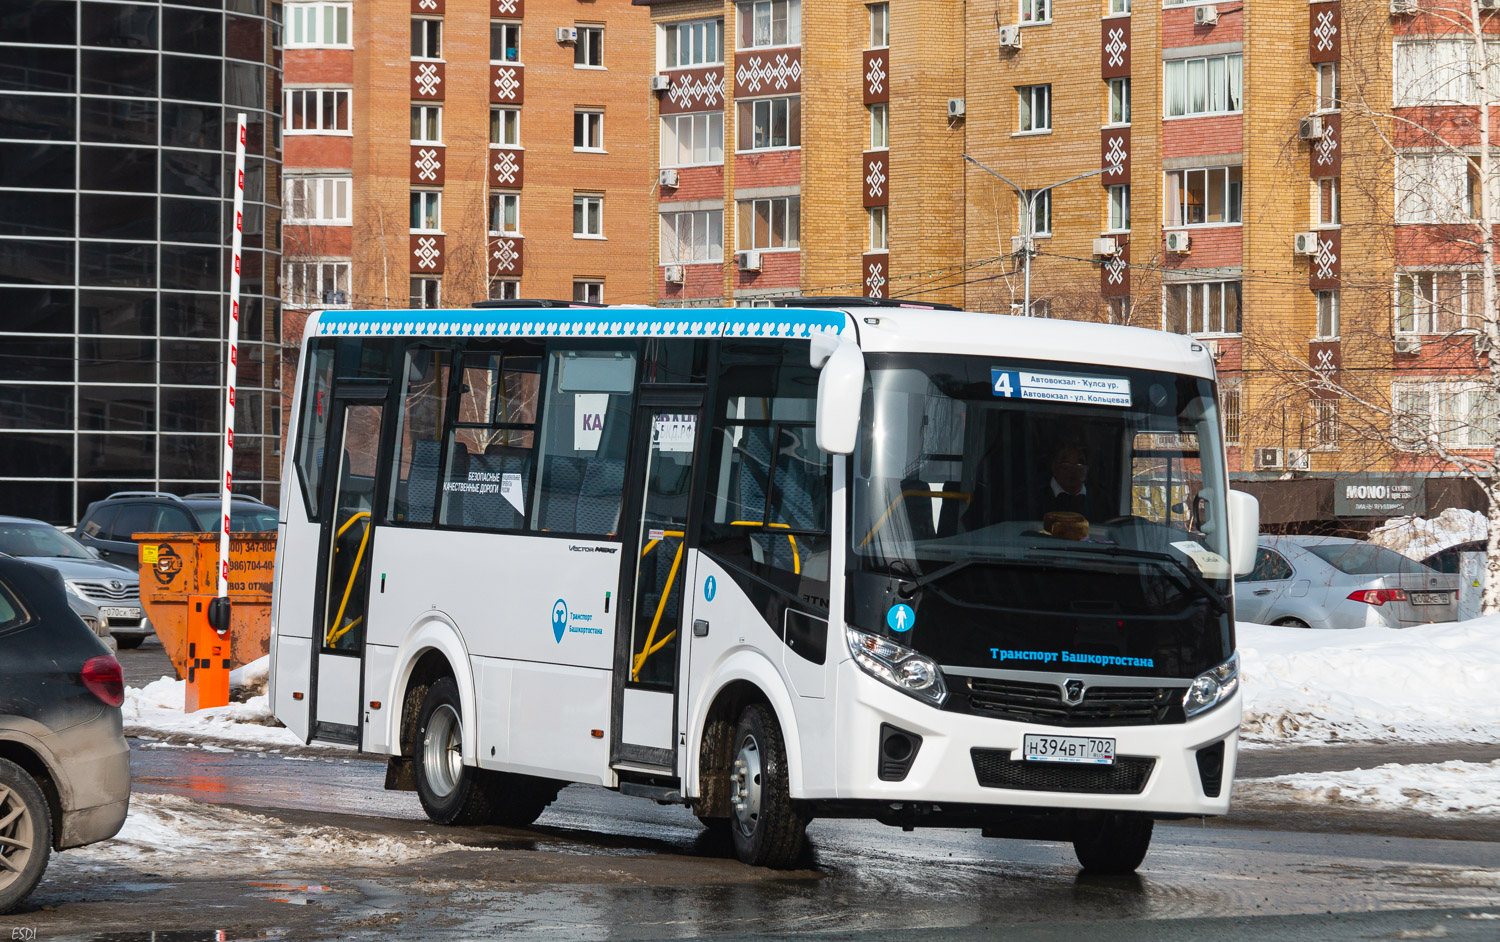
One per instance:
(1028, 514)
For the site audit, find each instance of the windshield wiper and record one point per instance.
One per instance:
(1194, 577)
(965, 563)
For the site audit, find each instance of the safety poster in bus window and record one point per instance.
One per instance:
(675, 432)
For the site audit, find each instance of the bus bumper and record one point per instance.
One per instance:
(957, 749)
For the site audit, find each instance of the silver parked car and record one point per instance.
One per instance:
(115, 589)
(1331, 582)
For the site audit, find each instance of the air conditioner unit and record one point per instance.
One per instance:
(1403, 7)
(1019, 244)
(1178, 243)
(1010, 37)
(1212, 346)
(666, 178)
(1305, 243)
(673, 275)
(747, 261)
(1310, 128)
(1268, 459)
(1298, 459)
(955, 107)
(1206, 15)
(659, 83)
(1489, 4)
(1106, 246)
(1407, 345)
(1482, 344)
(567, 34)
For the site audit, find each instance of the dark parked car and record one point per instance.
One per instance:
(107, 524)
(113, 590)
(64, 764)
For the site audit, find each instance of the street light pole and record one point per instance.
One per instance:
(1028, 209)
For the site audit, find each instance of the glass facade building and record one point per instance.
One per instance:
(116, 181)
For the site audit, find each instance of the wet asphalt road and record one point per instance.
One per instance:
(601, 866)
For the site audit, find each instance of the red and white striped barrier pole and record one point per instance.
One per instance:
(231, 376)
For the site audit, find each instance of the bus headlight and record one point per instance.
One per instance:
(900, 667)
(1212, 687)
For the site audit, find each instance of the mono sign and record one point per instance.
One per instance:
(1374, 495)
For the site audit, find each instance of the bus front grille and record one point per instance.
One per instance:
(1101, 706)
(995, 769)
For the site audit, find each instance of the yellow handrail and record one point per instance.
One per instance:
(796, 559)
(664, 534)
(332, 634)
(661, 606)
(945, 495)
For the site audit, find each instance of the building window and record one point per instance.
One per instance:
(1432, 302)
(1035, 108)
(1455, 415)
(1328, 86)
(770, 223)
(1119, 208)
(699, 42)
(1212, 85)
(588, 217)
(505, 213)
(588, 51)
(316, 283)
(880, 25)
(505, 289)
(427, 124)
(770, 23)
(505, 42)
(878, 233)
(321, 201)
(1204, 197)
(688, 139)
(1119, 7)
(426, 211)
(1120, 310)
(589, 292)
(1119, 101)
(1230, 411)
(768, 123)
(1209, 307)
(426, 293)
(1328, 202)
(1041, 211)
(1036, 11)
(1433, 188)
(426, 38)
(317, 110)
(505, 127)
(313, 25)
(692, 237)
(1328, 315)
(588, 130)
(1436, 71)
(880, 137)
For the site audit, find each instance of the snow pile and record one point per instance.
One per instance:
(158, 708)
(250, 679)
(1443, 790)
(1433, 683)
(1419, 537)
(175, 836)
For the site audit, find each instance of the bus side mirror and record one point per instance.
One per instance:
(840, 386)
(1244, 531)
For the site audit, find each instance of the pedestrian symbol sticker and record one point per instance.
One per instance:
(900, 617)
(710, 587)
(559, 619)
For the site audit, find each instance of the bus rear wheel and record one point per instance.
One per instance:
(1115, 843)
(451, 792)
(765, 825)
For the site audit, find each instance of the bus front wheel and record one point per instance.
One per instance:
(451, 792)
(767, 828)
(1115, 843)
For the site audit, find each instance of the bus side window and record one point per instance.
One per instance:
(585, 440)
(312, 430)
(491, 440)
(419, 436)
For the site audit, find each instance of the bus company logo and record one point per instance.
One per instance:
(1073, 691)
(559, 619)
(168, 564)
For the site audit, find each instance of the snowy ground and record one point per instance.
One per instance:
(155, 711)
(1447, 789)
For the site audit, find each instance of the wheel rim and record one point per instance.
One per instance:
(17, 833)
(744, 786)
(443, 752)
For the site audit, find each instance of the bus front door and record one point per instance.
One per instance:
(647, 672)
(344, 571)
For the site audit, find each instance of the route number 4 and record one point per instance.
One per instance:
(1006, 384)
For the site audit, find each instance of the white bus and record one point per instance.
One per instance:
(923, 566)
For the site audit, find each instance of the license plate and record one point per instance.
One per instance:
(1089, 750)
(1428, 598)
(119, 612)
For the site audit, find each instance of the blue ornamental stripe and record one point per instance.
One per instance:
(788, 323)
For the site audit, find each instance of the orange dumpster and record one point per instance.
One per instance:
(176, 566)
